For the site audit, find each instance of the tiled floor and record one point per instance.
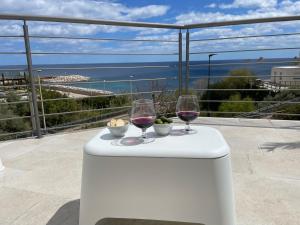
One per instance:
(41, 181)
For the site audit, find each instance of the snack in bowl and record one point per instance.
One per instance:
(118, 127)
(162, 126)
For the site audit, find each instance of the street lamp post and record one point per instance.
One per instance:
(208, 83)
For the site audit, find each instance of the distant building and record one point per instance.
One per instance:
(286, 75)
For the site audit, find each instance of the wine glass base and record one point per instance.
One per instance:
(147, 140)
(189, 131)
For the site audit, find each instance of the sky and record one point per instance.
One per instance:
(158, 11)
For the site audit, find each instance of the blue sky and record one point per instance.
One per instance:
(167, 11)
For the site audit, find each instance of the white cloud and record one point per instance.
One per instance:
(212, 5)
(250, 4)
(256, 10)
(111, 10)
(82, 8)
(284, 8)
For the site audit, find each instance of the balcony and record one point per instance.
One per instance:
(41, 180)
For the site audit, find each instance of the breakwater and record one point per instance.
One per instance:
(66, 78)
(77, 90)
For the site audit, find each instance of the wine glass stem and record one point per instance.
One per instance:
(187, 126)
(144, 133)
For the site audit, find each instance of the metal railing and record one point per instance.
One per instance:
(34, 88)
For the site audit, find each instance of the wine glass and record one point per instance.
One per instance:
(187, 109)
(143, 115)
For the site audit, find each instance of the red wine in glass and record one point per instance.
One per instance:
(187, 116)
(187, 109)
(143, 115)
(143, 122)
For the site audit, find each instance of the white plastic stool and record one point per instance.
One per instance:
(175, 178)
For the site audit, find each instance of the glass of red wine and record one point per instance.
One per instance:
(187, 109)
(143, 115)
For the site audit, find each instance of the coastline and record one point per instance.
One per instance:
(72, 91)
(65, 78)
(77, 92)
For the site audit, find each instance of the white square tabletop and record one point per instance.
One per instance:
(205, 142)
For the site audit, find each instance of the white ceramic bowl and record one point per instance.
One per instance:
(118, 131)
(162, 129)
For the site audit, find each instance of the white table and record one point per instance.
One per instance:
(175, 178)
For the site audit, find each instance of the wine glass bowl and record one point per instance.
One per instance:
(187, 109)
(143, 114)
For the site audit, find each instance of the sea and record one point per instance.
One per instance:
(132, 77)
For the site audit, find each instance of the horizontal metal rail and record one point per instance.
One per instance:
(100, 39)
(13, 86)
(109, 95)
(14, 133)
(12, 53)
(243, 37)
(11, 36)
(103, 81)
(244, 63)
(15, 118)
(242, 22)
(13, 69)
(254, 101)
(244, 50)
(98, 53)
(149, 25)
(49, 84)
(241, 89)
(95, 110)
(39, 69)
(76, 125)
(88, 21)
(259, 113)
(125, 94)
(217, 112)
(98, 67)
(14, 103)
(85, 110)
(253, 77)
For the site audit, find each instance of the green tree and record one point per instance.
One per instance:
(9, 111)
(246, 106)
(293, 112)
(238, 79)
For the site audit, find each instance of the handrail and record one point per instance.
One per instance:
(145, 24)
(242, 22)
(88, 21)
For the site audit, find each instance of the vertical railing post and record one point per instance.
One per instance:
(187, 61)
(32, 82)
(180, 62)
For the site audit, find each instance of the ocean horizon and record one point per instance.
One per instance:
(106, 74)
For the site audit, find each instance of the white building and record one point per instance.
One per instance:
(286, 75)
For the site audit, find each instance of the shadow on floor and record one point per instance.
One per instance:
(122, 221)
(247, 124)
(68, 214)
(272, 146)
